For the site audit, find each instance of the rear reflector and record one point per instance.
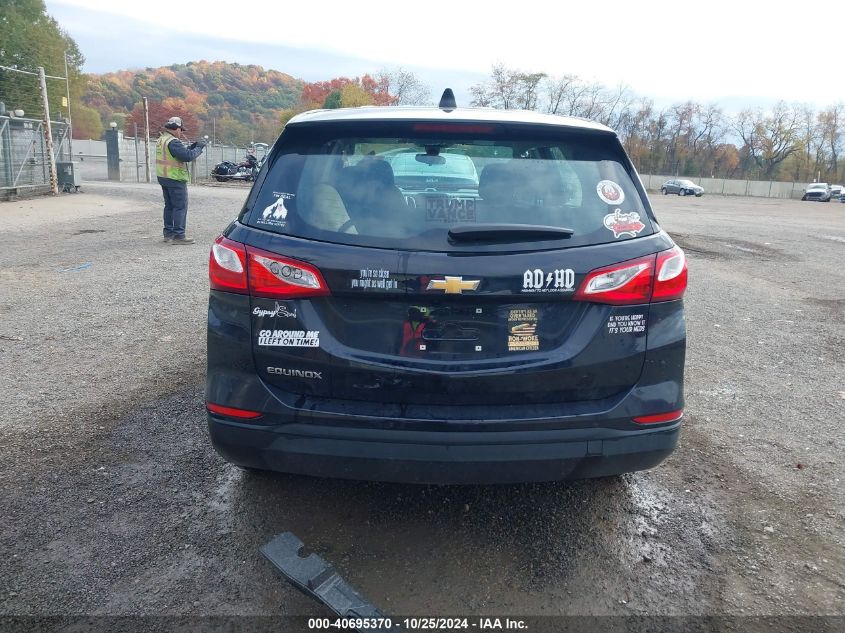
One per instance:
(671, 416)
(232, 412)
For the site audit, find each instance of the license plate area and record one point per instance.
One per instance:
(449, 332)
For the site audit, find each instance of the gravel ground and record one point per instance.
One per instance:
(114, 502)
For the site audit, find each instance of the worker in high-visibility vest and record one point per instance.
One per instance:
(172, 158)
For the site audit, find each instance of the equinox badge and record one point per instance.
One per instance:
(453, 285)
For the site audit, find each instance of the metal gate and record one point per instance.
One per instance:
(24, 161)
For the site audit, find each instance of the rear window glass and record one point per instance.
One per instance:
(404, 186)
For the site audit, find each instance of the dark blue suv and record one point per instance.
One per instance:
(522, 323)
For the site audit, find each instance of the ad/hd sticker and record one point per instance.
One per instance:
(522, 330)
(558, 280)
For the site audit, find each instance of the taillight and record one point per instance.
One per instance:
(277, 277)
(227, 266)
(671, 280)
(234, 267)
(645, 280)
(626, 283)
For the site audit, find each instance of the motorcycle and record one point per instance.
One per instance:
(227, 170)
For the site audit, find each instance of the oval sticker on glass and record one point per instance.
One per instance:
(610, 192)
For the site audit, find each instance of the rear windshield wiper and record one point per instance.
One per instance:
(507, 232)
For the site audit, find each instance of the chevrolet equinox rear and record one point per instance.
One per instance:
(446, 295)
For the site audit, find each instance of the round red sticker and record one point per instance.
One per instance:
(610, 192)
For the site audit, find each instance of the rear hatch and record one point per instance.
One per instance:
(406, 293)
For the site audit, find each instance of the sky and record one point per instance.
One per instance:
(736, 54)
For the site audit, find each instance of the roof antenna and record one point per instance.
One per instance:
(447, 101)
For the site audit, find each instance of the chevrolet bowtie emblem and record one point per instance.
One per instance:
(453, 285)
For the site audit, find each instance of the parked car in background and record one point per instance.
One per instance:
(818, 191)
(682, 188)
(443, 172)
(446, 295)
(836, 191)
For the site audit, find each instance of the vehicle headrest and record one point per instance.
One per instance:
(289, 169)
(379, 171)
(495, 182)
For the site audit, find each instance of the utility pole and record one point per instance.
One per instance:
(137, 166)
(147, 139)
(48, 133)
(69, 119)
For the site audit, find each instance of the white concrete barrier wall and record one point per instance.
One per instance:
(91, 159)
(726, 187)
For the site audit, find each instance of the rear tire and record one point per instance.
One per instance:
(663, 191)
(221, 178)
(681, 192)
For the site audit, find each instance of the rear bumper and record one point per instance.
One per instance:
(442, 457)
(438, 443)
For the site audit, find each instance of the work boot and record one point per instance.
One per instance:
(167, 238)
(182, 240)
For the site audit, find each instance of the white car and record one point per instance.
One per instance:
(819, 191)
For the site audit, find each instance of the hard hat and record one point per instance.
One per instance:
(173, 123)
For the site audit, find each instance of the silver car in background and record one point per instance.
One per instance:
(682, 188)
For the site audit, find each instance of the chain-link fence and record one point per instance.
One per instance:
(33, 136)
(91, 159)
(24, 157)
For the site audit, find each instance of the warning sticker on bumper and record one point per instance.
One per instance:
(522, 330)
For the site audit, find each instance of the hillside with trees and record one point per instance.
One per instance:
(236, 104)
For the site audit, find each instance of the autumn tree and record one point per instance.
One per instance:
(769, 138)
(353, 96)
(365, 90)
(30, 38)
(404, 87)
(333, 100)
(87, 123)
(158, 114)
(507, 89)
(832, 137)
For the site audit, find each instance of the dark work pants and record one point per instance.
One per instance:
(175, 208)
